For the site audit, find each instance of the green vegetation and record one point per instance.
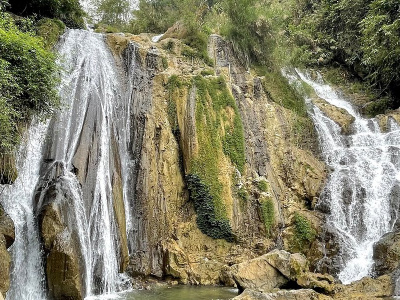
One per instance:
(263, 185)
(68, 11)
(243, 194)
(28, 80)
(50, 30)
(267, 207)
(217, 92)
(304, 233)
(207, 221)
(363, 36)
(214, 102)
(113, 12)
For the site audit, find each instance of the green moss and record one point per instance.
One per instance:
(193, 53)
(164, 62)
(268, 213)
(263, 185)
(207, 72)
(304, 234)
(280, 91)
(174, 84)
(50, 30)
(207, 221)
(213, 98)
(243, 194)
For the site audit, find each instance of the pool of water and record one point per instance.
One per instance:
(177, 293)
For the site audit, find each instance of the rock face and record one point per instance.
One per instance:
(62, 263)
(7, 236)
(387, 253)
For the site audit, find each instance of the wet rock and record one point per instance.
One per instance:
(257, 274)
(6, 228)
(339, 115)
(7, 235)
(62, 262)
(5, 262)
(62, 268)
(249, 294)
(387, 253)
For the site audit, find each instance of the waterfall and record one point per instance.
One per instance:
(75, 165)
(27, 276)
(361, 188)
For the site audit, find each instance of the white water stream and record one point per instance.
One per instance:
(27, 276)
(90, 93)
(365, 175)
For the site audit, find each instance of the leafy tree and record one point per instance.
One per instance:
(28, 80)
(114, 12)
(68, 11)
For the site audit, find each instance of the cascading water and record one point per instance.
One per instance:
(73, 165)
(27, 276)
(365, 176)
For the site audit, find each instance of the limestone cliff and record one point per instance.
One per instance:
(180, 125)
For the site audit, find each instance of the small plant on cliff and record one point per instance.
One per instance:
(263, 185)
(204, 207)
(304, 233)
(268, 214)
(243, 194)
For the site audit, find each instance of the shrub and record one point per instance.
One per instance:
(204, 207)
(28, 80)
(268, 214)
(263, 185)
(304, 233)
(243, 194)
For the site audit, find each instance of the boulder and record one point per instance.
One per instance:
(63, 273)
(282, 295)
(320, 282)
(257, 274)
(290, 265)
(387, 253)
(62, 263)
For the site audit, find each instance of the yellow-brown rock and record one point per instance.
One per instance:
(365, 289)
(282, 295)
(339, 115)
